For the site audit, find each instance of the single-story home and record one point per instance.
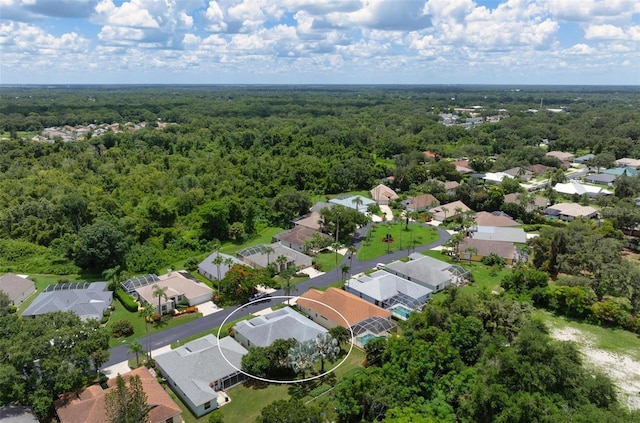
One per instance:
(198, 370)
(462, 167)
(263, 255)
(561, 155)
(387, 290)
(496, 218)
(311, 221)
(476, 249)
(519, 172)
(570, 211)
(382, 194)
(576, 188)
(427, 271)
(496, 177)
(601, 179)
(88, 300)
(626, 161)
(446, 211)
(420, 202)
(17, 288)
(584, 159)
(537, 203)
(89, 405)
(539, 169)
(284, 323)
(176, 287)
(336, 307)
(619, 171)
(356, 202)
(209, 269)
(296, 237)
(498, 233)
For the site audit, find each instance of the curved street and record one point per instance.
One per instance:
(174, 334)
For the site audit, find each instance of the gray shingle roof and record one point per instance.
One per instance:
(381, 286)
(281, 324)
(207, 266)
(86, 303)
(14, 285)
(196, 364)
(422, 268)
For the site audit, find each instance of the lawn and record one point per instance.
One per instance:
(264, 237)
(327, 260)
(373, 246)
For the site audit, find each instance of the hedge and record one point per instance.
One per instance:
(126, 300)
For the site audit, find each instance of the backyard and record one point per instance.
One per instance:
(384, 238)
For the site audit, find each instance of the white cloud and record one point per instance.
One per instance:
(592, 10)
(612, 32)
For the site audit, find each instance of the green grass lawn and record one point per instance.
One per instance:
(374, 247)
(327, 260)
(263, 237)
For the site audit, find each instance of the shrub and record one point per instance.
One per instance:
(493, 259)
(191, 263)
(122, 328)
(126, 300)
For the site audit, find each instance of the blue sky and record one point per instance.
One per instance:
(320, 41)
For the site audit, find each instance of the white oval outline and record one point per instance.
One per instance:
(284, 381)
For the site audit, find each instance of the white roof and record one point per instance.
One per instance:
(496, 176)
(176, 284)
(349, 202)
(626, 161)
(285, 323)
(574, 187)
(500, 233)
(573, 209)
(381, 286)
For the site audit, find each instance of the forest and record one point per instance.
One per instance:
(217, 164)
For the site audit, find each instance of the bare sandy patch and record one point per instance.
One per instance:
(623, 370)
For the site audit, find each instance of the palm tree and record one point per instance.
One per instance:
(136, 348)
(218, 262)
(327, 348)
(357, 200)
(286, 276)
(160, 293)
(345, 271)
(471, 251)
(229, 263)
(351, 249)
(268, 250)
(445, 210)
(147, 313)
(336, 246)
(302, 356)
(282, 262)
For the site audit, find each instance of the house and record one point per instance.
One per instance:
(628, 162)
(576, 188)
(209, 269)
(561, 155)
(462, 167)
(484, 218)
(87, 300)
(177, 288)
(16, 287)
(17, 414)
(497, 233)
(336, 307)
(89, 405)
(519, 172)
(539, 169)
(310, 221)
(284, 323)
(619, 171)
(356, 202)
(382, 194)
(389, 291)
(584, 159)
(446, 211)
(537, 202)
(450, 186)
(427, 271)
(262, 256)
(296, 237)
(570, 211)
(198, 370)
(601, 179)
(420, 202)
(495, 177)
(476, 249)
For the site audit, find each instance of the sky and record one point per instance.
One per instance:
(577, 42)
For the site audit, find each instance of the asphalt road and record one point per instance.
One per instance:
(171, 335)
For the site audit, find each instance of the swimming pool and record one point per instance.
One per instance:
(366, 338)
(401, 311)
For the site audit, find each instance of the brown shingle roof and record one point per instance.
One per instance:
(484, 218)
(89, 405)
(422, 202)
(298, 235)
(503, 249)
(312, 221)
(383, 194)
(353, 309)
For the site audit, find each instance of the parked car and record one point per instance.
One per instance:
(259, 296)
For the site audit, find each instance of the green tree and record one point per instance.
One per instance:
(160, 293)
(101, 245)
(289, 205)
(290, 411)
(215, 221)
(302, 356)
(127, 404)
(218, 261)
(340, 334)
(136, 348)
(327, 348)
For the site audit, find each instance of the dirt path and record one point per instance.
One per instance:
(621, 368)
